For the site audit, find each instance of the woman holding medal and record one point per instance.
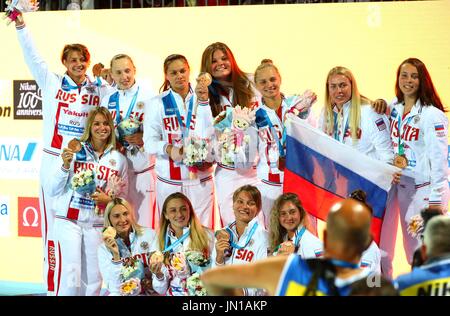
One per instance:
(123, 240)
(230, 87)
(419, 130)
(179, 231)
(78, 220)
(66, 102)
(171, 119)
(244, 240)
(127, 108)
(270, 120)
(288, 231)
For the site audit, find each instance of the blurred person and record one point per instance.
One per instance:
(432, 278)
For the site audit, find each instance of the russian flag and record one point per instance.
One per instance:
(323, 171)
(439, 127)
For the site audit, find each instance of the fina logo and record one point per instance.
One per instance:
(10, 152)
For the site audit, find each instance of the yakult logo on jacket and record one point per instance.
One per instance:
(29, 217)
(27, 100)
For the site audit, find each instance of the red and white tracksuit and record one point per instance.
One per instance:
(140, 247)
(64, 111)
(77, 229)
(423, 132)
(161, 128)
(254, 243)
(171, 284)
(228, 178)
(141, 165)
(271, 184)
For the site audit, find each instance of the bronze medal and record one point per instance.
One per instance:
(400, 161)
(74, 145)
(204, 79)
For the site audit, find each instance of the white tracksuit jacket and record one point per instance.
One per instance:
(424, 132)
(256, 248)
(140, 247)
(373, 133)
(70, 204)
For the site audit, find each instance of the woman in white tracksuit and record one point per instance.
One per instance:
(288, 222)
(230, 87)
(78, 225)
(66, 102)
(349, 118)
(179, 231)
(132, 242)
(170, 118)
(129, 102)
(245, 239)
(419, 129)
(270, 121)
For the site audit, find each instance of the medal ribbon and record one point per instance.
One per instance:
(338, 117)
(249, 237)
(173, 104)
(401, 148)
(168, 248)
(115, 97)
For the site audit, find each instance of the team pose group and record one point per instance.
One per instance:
(163, 207)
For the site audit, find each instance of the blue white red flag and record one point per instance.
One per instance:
(323, 171)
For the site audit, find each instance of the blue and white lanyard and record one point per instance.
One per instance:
(115, 98)
(66, 86)
(274, 132)
(399, 128)
(184, 128)
(336, 130)
(176, 243)
(298, 236)
(249, 237)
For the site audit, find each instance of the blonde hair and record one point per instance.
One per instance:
(266, 63)
(86, 137)
(199, 237)
(357, 101)
(276, 231)
(138, 229)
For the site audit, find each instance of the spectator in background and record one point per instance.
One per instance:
(432, 278)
